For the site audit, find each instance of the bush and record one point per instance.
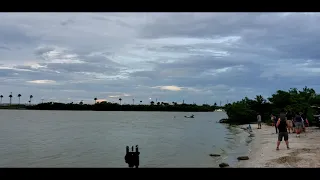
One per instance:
(294, 101)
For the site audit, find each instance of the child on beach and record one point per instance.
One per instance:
(259, 120)
(275, 119)
(298, 123)
(289, 122)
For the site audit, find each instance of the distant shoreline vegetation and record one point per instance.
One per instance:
(107, 106)
(293, 100)
(240, 112)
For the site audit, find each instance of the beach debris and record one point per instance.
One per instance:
(223, 120)
(223, 165)
(243, 158)
(214, 155)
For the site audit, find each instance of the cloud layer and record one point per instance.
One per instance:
(196, 57)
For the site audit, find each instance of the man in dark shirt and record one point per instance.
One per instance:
(282, 127)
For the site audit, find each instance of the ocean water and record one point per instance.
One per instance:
(98, 139)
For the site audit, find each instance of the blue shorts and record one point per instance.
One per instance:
(298, 125)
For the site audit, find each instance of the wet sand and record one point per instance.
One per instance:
(303, 152)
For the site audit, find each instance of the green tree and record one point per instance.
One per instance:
(30, 99)
(19, 96)
(293, 101)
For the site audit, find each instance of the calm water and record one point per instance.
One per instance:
(98, 139)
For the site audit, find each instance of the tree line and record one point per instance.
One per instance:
(292, 101)
(11, 96)
(108, 106)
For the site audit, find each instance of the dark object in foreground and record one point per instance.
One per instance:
(132, 158)
(222, 165)
(243, 158)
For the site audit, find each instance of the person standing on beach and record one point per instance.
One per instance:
(298, 123)
(274, 118)
(259, 121)
(293, 124)
(289, 122)
(283, 133)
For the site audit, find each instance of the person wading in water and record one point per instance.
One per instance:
(282, 127)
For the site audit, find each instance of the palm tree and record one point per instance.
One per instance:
(30, 99)
(140, 102)
(120, 100)
(152, 103)
(95, 100)
(19, 95)
(1, 96)
(10, 96)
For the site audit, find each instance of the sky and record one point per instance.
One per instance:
(168, 57)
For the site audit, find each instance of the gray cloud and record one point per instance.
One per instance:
(198, 57)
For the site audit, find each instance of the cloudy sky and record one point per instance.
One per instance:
(196, 57)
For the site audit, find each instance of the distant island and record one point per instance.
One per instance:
(107, 106)
(306, 101)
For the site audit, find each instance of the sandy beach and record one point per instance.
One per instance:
(303, 152)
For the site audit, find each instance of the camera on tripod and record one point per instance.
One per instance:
(132, 158)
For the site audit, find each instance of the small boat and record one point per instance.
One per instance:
(192, 116)
(219, 110)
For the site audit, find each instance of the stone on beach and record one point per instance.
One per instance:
(243, 158)
(223, 165)
(214, 155)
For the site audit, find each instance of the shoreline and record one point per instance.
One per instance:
(103, 110)
(303, 152)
